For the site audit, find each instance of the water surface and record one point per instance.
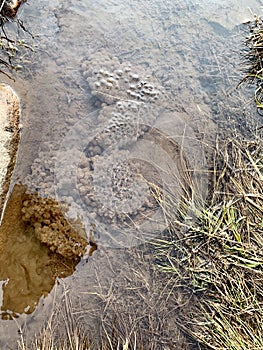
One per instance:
(191, 48)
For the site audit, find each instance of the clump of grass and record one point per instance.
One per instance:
(253, 58)
(253, 53)
(219, 257)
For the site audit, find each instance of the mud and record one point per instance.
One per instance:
(28, 267)
(47, 216)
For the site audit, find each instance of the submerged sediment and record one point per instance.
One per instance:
(46, 216)
(37, 245)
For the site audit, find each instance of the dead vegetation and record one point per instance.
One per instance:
(219, 256)
(10, 45)
(253, 58)
(132, 311)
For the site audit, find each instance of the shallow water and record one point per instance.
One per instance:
(190, 48)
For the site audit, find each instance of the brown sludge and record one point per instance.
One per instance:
(51, 228)
(28, 268)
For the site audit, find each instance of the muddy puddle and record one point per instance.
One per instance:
(119, 101)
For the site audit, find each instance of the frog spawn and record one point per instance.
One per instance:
(120, 124)
(114, 189)
(131, 102)
(112, 81)
(93, 171)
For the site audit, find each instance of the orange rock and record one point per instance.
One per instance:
(9, 137)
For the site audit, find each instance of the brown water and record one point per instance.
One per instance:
(28, 269)
(188, 48)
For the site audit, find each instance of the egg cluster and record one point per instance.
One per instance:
(113, 188)
(120, 124)
(95, 171)
(112, 81)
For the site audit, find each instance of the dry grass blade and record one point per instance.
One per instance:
(253, 57)
(220, 256)
(56, 336)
